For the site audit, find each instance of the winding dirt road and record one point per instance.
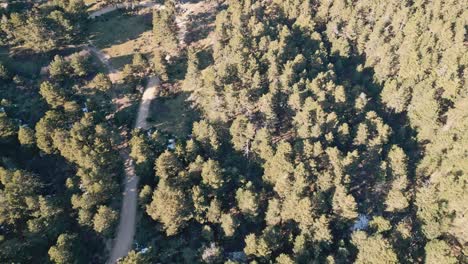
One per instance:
(123, 241)
(126, 229)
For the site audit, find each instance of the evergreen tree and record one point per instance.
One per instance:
(54, 96)
(105, 220)
(7, 127)
(26, 136)
(65, 250)
(171, 207)
(165, 28)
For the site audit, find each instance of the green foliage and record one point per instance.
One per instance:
(101, 82)
(316, 116)
(168, 166)
(59, 68)
(65, 250)
(206, 135)
(165, 28)
(171, 207)
(7, 127)
(193, 70)
(128, 75)
(44, 28)
(344, 204)
(53, 95)
(373, 249)
(80, 65)
(380, 224)
(284, 259)
(242, 133)
(45, 128)
(212, 174)
(160, 65)
(145, 194)
(140, 149)
(229, 224)
(135, 258)
(37, 215)
(105, 220)
(26, 136)
(139, 62)
(248, 200)
(437, 251)
(20, 189)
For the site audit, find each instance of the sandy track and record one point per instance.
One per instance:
(148, 96)
(104, 58)
(109, 9)
(126, 229)
(123, 241)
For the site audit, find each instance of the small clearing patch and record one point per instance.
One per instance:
(121, 34)
(172, 114)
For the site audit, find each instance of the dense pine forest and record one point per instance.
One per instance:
(282, 131)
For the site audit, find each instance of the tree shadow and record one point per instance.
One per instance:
(205, 58)
(119, 62)
(177, 68)
(28, 63)
(199, 26)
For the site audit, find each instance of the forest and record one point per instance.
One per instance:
(254, 131)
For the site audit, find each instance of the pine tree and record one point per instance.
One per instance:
(212, 174)
(373, 249)
(59, 68)
(171, 207)
(26, 136)
(248, 200)
(165, 28)
(168, 166)
(7, 127)
(105, 219)
(65, 250)
(54, 96)
(344, 205)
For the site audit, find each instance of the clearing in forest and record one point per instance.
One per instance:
(123, 33)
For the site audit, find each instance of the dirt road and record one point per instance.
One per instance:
(104, 58)
(111, 8)
(148, 96)
(123, 241)
(126, 230)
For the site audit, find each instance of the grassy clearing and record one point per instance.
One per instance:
(121, 34)
(173, 115)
